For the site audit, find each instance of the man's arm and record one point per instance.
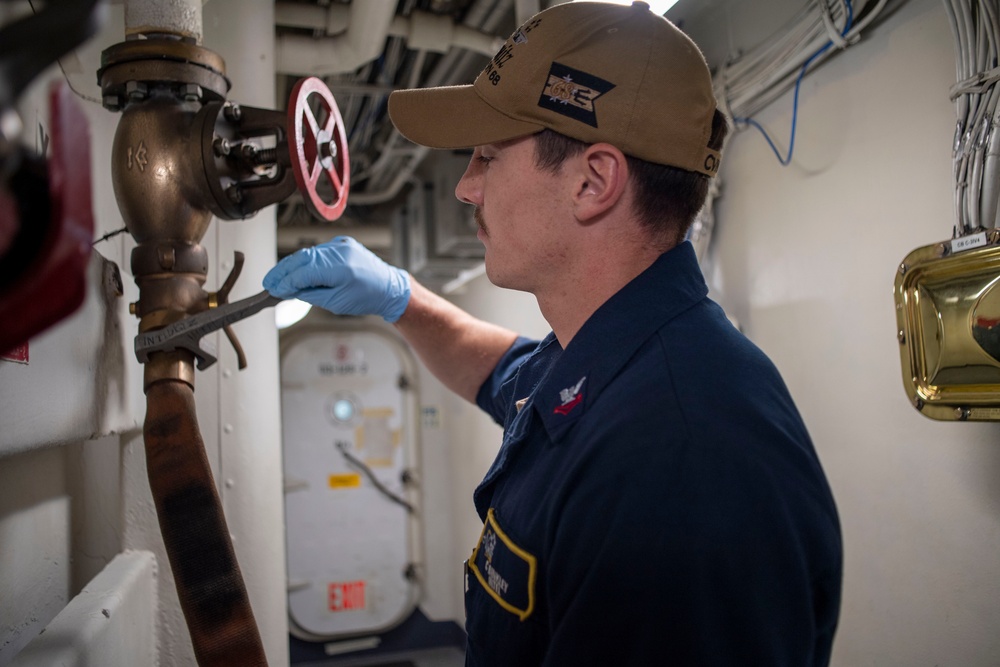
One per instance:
(460, 350)
(346, 278)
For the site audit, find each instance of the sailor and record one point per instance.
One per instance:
(656, 499)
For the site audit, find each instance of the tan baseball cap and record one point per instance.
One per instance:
(594, 71)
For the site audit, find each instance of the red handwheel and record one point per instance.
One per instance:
(318, 147)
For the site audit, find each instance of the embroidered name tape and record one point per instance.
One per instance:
(506, 571)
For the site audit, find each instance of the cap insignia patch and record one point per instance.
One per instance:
(572, 93)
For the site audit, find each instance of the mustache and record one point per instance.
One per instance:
(477, 215)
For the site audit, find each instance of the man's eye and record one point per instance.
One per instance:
(484, 160)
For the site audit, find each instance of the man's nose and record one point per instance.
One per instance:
(469, 188)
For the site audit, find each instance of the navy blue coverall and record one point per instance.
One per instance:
(656, 499)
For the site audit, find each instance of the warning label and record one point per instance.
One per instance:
(347, 595)
(351, 480)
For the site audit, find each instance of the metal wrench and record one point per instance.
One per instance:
(185, 334)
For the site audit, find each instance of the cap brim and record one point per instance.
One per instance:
(452, 117)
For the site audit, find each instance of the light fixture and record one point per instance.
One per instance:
(289, 312)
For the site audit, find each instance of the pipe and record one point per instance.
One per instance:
(487, 15)
(354, 47)
(209, 583)
(416, 156)
(241, 425)
(172, 89)
(331, 20)
(361, 43)
(177, 17)
(437, 34)
(372, 236)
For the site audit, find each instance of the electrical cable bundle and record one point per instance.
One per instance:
(751, 81)
(975, 25)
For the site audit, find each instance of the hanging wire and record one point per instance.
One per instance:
(109, 235)
(752, 80)
(786, 160)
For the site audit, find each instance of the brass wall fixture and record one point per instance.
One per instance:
(947, 298)
(948, 327)
(183, 153)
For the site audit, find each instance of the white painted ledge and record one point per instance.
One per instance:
(111, 622)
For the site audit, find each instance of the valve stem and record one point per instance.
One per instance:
(259, 157)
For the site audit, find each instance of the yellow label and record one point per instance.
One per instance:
(350, 480)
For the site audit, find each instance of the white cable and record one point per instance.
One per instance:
(750, 81)
(975, 27)
(758, 77)
(861, 25)
(977, 83)
(832, 31)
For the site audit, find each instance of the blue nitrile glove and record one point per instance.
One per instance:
(343, 277)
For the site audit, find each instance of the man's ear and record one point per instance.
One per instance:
(601, 179)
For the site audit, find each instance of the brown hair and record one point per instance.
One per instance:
(667, 198)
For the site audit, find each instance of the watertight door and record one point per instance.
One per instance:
(348, 409)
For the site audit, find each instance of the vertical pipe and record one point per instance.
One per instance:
(245, 438)
(177, 17)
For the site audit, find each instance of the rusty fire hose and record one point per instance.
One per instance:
(210, 586)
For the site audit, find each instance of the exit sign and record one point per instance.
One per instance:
(347, 595)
